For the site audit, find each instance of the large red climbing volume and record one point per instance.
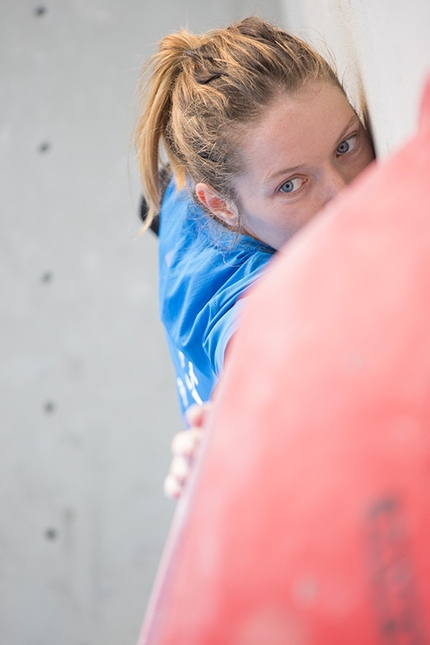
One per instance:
(307, 520)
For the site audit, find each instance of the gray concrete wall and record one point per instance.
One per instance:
(87, 400)
(382, 51)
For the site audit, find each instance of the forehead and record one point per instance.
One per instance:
(297, 129)
(316, 99)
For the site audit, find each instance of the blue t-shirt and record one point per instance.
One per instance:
(204, 269)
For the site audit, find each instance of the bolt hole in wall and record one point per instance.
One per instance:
(40, 11)
(47, 277)
(49, 407)
(44, 147)
(51, 534)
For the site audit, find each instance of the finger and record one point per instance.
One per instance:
(180, 469)
(196, 414)
(172, 488)
(185, 442)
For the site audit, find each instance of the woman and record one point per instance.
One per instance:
(259, 135)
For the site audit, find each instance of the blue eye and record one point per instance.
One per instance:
(347, 146)
(291, 185)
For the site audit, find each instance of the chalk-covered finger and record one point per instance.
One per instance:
(185, 442)
(196, 414)
(180, 469)
(172, 488)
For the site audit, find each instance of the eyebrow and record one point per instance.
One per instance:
(287, 171)
(351, 121)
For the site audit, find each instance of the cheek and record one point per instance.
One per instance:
(365, 158)
(368, 153)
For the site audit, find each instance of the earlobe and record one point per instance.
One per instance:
(216, 204)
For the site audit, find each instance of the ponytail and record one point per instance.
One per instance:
(164, 68)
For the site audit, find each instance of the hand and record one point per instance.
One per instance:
(185, 445)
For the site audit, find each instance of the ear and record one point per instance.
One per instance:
(217, 205)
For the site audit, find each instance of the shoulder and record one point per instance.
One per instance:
(201, 259)
(204, 270)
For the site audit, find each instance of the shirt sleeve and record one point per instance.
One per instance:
(226, 327)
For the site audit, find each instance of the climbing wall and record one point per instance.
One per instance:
(87, 401)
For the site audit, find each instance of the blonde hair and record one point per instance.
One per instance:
(199, 92)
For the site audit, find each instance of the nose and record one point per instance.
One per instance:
(334, 183)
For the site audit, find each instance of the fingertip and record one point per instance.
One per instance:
(179, 442)
(196, 414)
(193, 413)
(180, 468)
(172, 488)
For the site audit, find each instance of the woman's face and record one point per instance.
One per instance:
(305, 150)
